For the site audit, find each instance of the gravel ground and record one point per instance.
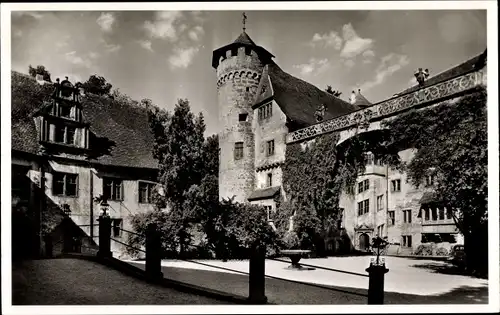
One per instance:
(407, 282)
(80, 282)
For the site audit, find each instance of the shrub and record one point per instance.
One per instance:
(424, 250)
(441, 252)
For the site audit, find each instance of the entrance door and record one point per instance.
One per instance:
(364, 242)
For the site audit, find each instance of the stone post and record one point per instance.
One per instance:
(376, 274)
(257, 276)
(153, 253)
(104, 237)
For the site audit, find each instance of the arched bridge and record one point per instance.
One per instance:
(370, 118)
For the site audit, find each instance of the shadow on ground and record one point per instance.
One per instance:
(443, 268)
(286, 292)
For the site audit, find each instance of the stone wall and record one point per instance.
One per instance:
(238, 77)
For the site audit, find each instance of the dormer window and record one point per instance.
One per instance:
(65, 134)
(65, 111)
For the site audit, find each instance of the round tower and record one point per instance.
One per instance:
(239, 68)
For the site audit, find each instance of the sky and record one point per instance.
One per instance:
(166, 55)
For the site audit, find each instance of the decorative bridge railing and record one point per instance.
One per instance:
(426, 95)
(257, 266)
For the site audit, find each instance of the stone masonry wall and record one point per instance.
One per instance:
(238, 77)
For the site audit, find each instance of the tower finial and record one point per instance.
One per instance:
(244, 21)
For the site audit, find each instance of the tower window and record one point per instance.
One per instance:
(65, 134)
(270, 147)
(265, 111)
(396, 185)
(248, 89)
(238, 150)
(243, 117)
(269, 179)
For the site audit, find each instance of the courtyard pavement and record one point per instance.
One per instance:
(81, 282)
(409, 281)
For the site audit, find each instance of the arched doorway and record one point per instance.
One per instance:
(364, 241)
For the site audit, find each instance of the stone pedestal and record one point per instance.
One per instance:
(153, 253)
(257, 277)
(104, 237)
(376, 283)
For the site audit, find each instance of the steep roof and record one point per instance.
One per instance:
(123, 123)
(361, 100)
(470, 65)
(244, 39)
(299, 99)
(264, 193)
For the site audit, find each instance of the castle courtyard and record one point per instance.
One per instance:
(409, 281)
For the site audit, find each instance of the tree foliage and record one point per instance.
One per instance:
(452, 140)
(40, 70)
(188, 175)
(97, 85)
(330, 90)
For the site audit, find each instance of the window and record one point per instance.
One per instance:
(112, 188)
(117, 227)
(429, 180)
(65, 111)
(434, 214)
(392, 217)
(270, 147)
(369, 159)
(145, 192)
(407, 216)
(65, 184)
(427, 218)
(396, 185)
(65, 134)
(441, 214)
(243, 117)
(380, 202)
(247, 89)
(406, 241)
(363, 207)
(270, 214)
(270, 180)
(449, 215)
(265, 111)
(363, 186)
(238, 150)
(380, 230)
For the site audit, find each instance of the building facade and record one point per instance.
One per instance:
(69, 149)
(261, 108)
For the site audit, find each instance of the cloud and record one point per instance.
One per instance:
(73, 58)
(368, 56)
(146, 44)
(314, 66)
(106, 21)
(110, 47)
(353, 44)
(164, 25)
(182, 57)
(35, 15)
(349, 63)
(331, 39)
(93, 55)
(196, 33)
(389, 64)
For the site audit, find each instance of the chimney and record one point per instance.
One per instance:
(39, 79)
(353, 97)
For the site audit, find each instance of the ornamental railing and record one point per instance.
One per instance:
(425, 96)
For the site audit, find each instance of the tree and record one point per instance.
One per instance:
(452, 140)
(335, 93)
(179, 144)
(97, 85)
(40, 70)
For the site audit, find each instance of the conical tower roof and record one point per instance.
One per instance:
(244, 39)
(360, 100)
